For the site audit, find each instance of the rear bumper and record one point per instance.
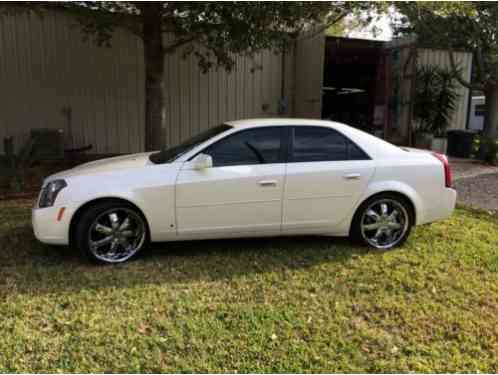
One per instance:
(442, 209)
(47, 228)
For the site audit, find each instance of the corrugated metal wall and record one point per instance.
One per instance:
(46, 68)
(197, 101)
(309, 65)
(431, 57)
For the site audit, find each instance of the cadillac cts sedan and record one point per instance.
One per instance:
(260, 177)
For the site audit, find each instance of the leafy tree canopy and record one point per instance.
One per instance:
(214, 31)
(471, 26)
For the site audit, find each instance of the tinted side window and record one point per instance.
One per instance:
(318, 144)
(322, 144)
(356, 153)
(255, 146)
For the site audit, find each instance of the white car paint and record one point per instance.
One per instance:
(230, 199)
(309, 201)
(181, 203)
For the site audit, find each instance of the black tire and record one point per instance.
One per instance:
(84, 230)
(361, 236)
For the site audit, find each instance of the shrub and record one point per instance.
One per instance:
(485, 149)
(435, 99)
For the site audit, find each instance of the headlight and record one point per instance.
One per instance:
(49, 193)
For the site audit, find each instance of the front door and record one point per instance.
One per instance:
(241, 193)
(326, 175)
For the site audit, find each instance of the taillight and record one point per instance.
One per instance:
(447, 169)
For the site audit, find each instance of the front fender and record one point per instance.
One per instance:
(151, 189)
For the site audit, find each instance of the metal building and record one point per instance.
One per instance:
(370, 84)
(51, 78)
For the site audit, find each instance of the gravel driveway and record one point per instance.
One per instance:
(476, 183)
(478, 191)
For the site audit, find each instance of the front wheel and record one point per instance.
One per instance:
(382, 222)
(111, 232)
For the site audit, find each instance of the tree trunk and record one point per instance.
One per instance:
(490, 126)
(154, 68)
(490, 129)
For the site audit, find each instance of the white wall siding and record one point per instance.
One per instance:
(431, 57)
(46, 66)
(309, 67)
(197, 101)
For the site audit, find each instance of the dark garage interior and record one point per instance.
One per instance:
(354, 85)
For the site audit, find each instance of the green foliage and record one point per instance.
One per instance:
(435, 99)
(486, 146)
(470, 26)
(343, 27)
(339, 29)
(263, 305)
(215, 31)
(212, 31)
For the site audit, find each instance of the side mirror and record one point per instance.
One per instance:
(202, 161)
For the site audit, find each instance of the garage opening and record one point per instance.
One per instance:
(354, 88)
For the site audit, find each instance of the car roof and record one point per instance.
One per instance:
(279, 121)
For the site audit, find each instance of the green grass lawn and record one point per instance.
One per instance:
(281, 305)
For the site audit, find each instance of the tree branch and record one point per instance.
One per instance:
(479, 61)
(412, 54)
(324, 27)
(88, 16)
(132, 25)
(458, 76)
(178, 43)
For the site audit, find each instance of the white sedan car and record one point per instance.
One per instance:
(261, 177)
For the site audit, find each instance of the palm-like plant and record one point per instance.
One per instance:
(435, 99)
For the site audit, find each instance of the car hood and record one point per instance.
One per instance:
(105, 165)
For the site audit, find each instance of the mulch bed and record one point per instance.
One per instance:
(15, 196)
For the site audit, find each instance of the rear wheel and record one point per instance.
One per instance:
(383, 221)
(111, 232)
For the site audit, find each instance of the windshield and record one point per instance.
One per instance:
(169, 154)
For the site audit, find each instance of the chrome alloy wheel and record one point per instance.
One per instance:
(116, 235)
(384, 223)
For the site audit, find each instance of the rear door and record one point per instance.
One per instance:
(326, 175)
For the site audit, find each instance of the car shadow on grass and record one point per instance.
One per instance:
(28, 266)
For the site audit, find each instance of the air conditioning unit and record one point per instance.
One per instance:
(47, 144)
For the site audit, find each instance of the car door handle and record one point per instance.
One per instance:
(267, 183)
(352, 176)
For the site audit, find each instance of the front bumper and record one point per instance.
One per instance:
(47, 228)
